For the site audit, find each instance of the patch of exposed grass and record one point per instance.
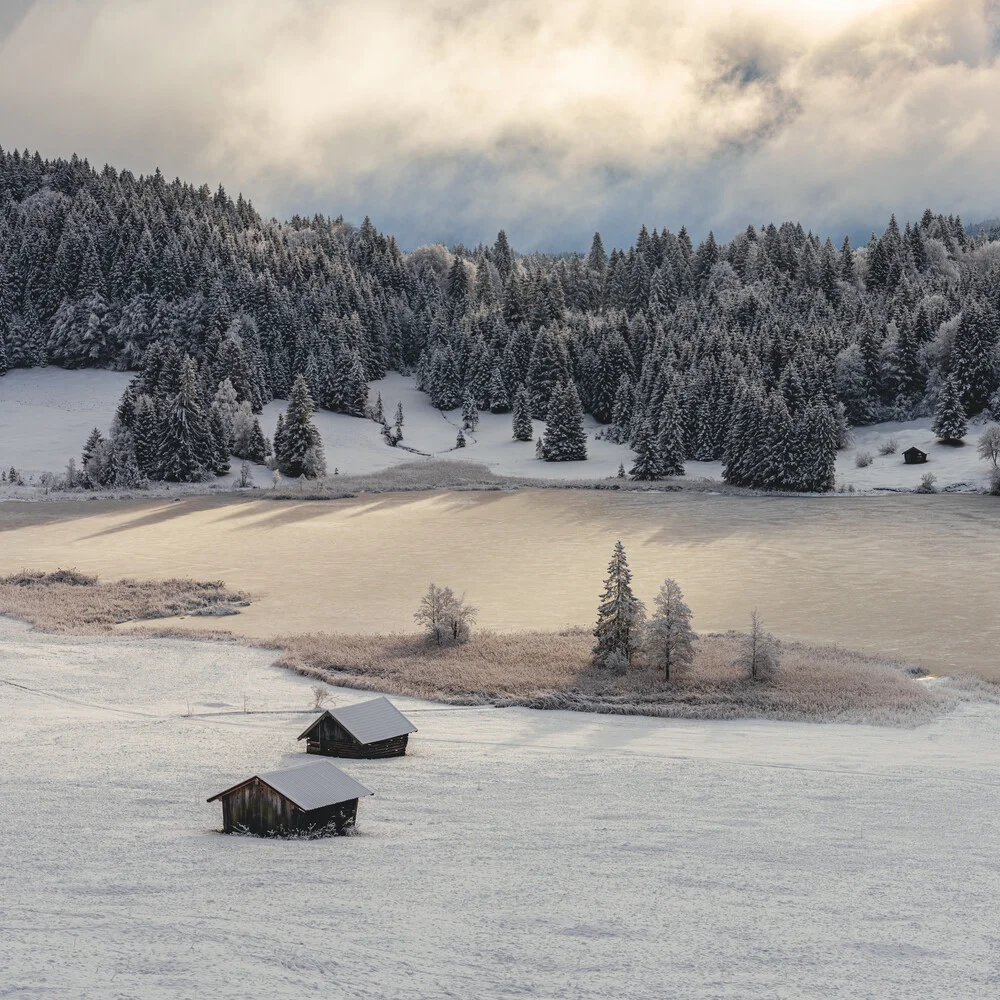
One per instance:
(69, 601)
(554, 671)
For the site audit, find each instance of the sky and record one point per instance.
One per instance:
(445, 120)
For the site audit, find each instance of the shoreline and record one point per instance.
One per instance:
(529, 668)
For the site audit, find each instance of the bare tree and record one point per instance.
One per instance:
(321, 695)
(760, 652)
(989, 444)
(446, 618)
(669, 637)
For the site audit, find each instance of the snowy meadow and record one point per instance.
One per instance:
(510, 853)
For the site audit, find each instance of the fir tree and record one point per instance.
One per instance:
(523, 429)
(301, 449)
(620, 616)
(186, 450)
(950, 424)
(647, 465)
(470, 414)
(499, 400)
(565, 438)
(670, 439)
(398, 423)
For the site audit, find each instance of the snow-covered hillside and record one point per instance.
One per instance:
(510, 853)
(46, 414)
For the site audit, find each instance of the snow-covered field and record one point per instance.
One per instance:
(511, 853)
(47, 413)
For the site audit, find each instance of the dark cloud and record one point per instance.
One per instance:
(448, 119)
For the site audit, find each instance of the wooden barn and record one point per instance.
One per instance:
(914, 456)
(294, 800)
(370, 729)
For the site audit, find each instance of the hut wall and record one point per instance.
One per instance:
(340, 815)
(350, 747)
(259, 809)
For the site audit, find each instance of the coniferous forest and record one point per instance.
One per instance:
(760, 352)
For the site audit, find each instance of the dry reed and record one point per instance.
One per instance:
(68, 601)
(554, 671)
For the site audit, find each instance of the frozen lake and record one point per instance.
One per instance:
(907, 575)
(511, 853)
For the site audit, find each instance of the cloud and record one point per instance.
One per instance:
(449, 118)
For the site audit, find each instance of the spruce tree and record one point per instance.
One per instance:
(145, 431)
(523, 429)
(670, 439)
(470, 414)
(647, 465)
(950, 423)
(186, 450)
(499, 399)
(565, 438)
(620, 616)
(257, 448)
(547, 369)
(300, 452)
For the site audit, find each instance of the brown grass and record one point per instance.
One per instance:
(547, 670)
(68, 601)
(553, 670)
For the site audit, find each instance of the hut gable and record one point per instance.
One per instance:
(303, 797)
(914, 456)
(373, 728)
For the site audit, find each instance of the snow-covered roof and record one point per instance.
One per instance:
(369, 721)
(310, 786)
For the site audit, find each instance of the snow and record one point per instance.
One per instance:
(47, 413)
(510, 853)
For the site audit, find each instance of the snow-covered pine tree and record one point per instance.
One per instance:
(279, 438)
(145, 436)
(301, 451)
(669, 637)
(522, 426)
(620, 430)
(225, 404)
(547, 369)
(345, 387)
(397, 425)
(445, 386)
(186, 450)
(950, 423)
(670, 439)
(647, 465)
(470, 414)
(620, 616)
(499, 399)
(257, 450)
(565, 439)
(219, 437)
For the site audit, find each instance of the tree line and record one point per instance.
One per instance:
(759, 352)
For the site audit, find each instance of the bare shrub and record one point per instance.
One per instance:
(888, 447)
(321, 695)
(862, 459)
(927, 481)
(70, 601)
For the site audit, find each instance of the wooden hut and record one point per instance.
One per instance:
(373, 728)
(296, 799)
(914, 456)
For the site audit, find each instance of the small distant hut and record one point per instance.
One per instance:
(370, 729)
(299, 799)
(914, 456)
